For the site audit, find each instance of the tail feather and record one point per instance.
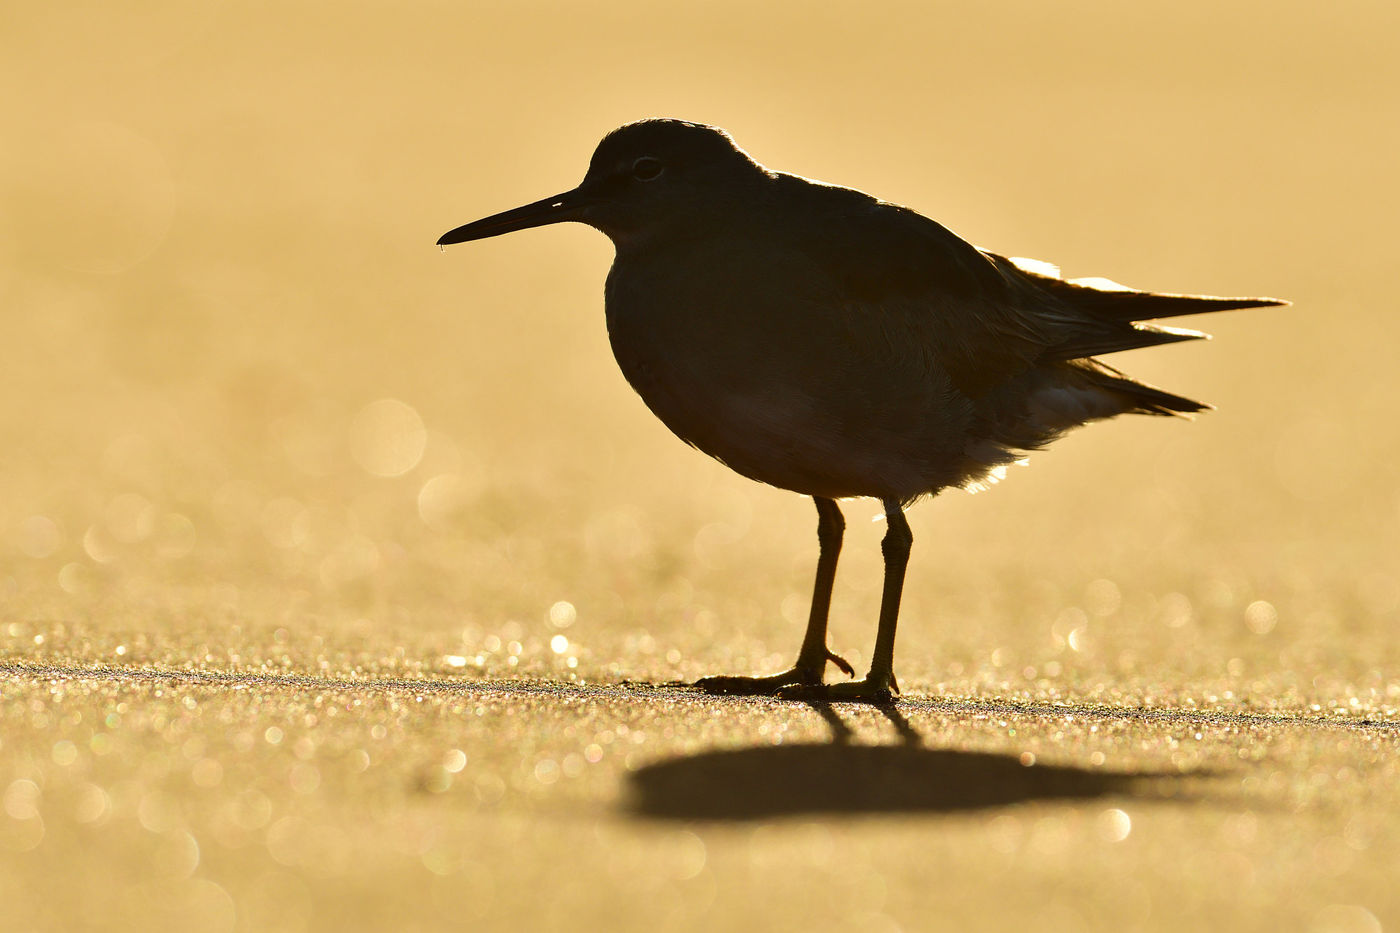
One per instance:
(1114, 336)
(1143, 399)
(1131, 305)
(1109, 301)
(1035, 409)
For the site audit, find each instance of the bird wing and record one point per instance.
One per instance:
(987, 318)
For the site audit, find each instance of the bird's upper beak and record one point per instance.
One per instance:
(561, 207)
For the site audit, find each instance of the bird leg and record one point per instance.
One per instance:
(812, 657)
(814, 654)
(879, 685)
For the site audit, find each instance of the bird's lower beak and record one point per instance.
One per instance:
(557, 209)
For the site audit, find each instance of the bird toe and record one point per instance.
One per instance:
(877, 691)
(771, 685)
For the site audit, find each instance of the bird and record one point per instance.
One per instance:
(821, 340)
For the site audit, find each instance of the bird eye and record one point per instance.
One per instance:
(646, 168)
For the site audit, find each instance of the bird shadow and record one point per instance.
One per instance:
(839, 777)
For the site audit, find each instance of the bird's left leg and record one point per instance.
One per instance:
(814, 655)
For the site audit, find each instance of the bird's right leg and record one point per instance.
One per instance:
(814, 654)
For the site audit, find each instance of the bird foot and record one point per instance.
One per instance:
(796, 677)
(872, 689)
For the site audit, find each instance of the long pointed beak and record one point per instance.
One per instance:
(553, 210)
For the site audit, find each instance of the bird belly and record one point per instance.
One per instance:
(774, 426)
(777, 436)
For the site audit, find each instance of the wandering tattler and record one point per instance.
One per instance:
(818, 339)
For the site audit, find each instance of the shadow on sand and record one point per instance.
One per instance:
(841, 778)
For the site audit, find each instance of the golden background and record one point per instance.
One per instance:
(254, 423)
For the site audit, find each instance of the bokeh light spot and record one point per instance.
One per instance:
(387, 438)
(1260, 617)
(562, 614)
(1114, 825)
(38, 536)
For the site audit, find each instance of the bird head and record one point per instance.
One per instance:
(645, 177)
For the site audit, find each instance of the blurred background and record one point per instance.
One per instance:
(250, 417)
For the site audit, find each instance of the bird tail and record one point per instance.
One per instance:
(1137, 397)
(1031, 412)
(1130, 305)
(1106, 300)
(1104, 316)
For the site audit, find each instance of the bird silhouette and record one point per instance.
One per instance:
(824, 341)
